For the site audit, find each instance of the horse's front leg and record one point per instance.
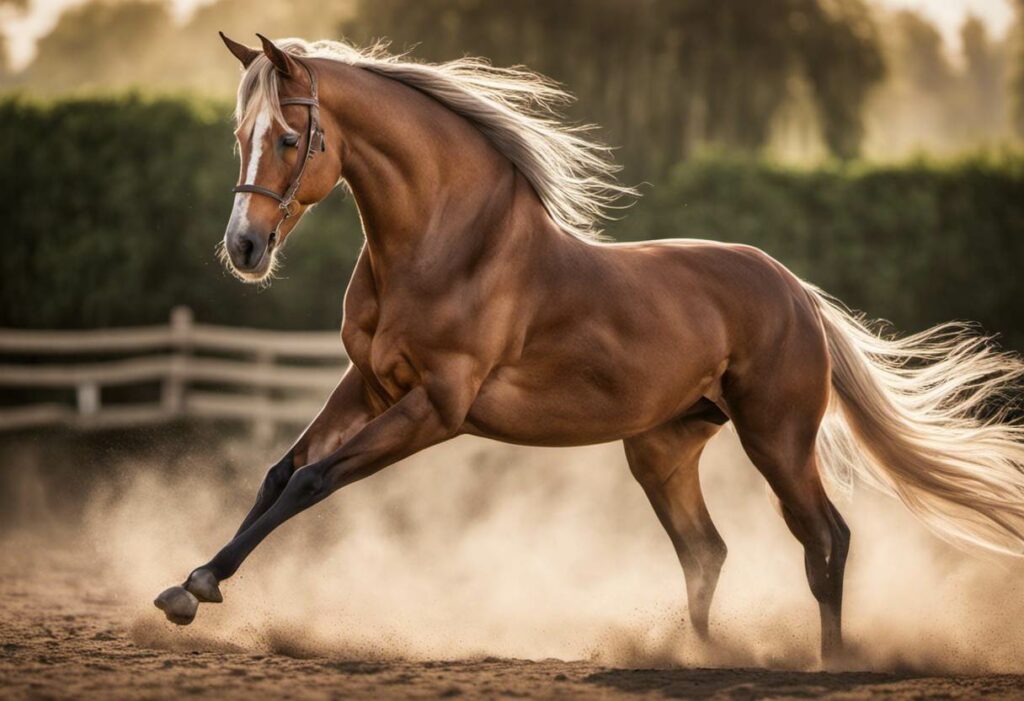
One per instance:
(415, 422)
(345, 412)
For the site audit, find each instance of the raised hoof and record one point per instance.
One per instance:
(204, 586)
(178, 605)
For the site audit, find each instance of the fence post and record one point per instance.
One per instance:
(88, 398)
(173, 394)
(263, 426)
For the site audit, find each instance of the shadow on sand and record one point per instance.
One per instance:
(741, 683)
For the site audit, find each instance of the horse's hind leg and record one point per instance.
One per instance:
(777, 415)
(664, 462)
(816, 523)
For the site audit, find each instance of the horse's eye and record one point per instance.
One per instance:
(289, 139)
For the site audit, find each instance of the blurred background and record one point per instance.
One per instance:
(873, 146)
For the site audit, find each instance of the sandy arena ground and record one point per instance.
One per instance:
(63, 637)
(471, 572)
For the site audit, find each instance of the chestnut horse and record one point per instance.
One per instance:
(482, 303)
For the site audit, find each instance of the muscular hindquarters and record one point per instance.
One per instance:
(776, 391)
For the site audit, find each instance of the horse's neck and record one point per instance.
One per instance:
(427, 183)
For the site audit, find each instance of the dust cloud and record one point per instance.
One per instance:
(479, 549)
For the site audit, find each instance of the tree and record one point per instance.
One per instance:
(933, 104)
(101, 45)
(1017, 74)
(847, 32)
(984, 104)
(661, 76)
(920, 53)
(109, 45)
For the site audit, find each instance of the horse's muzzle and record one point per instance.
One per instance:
(249, 251)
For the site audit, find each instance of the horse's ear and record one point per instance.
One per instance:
(243, 53)
(281, 60)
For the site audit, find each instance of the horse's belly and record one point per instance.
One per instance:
(573, 409)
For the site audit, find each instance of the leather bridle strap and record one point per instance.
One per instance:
(314, 144)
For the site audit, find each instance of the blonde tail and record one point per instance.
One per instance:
(925, 418)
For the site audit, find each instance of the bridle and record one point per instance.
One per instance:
(314, 144)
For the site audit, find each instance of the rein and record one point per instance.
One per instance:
(315, 143)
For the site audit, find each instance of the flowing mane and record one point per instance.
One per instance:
(515, 108)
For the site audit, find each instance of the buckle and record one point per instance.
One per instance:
(317, 143)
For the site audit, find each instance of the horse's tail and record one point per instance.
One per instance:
(927, 418)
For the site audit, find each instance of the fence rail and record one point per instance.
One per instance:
(264, 382)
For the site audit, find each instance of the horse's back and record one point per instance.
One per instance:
(751, 294)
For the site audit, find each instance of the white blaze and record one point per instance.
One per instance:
(239, 220)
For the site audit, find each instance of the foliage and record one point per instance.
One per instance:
(930, 101)
(662, 76)
(1017, 71)
(115, 36)
(800, 79)
(114, 205)
(917, 243)
(104, 45)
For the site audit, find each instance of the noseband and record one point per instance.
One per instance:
(314, 144)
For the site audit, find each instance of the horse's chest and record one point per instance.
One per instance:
(382, 361)
(392, 369)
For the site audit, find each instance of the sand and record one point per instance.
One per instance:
(475, 570)
(64, 637)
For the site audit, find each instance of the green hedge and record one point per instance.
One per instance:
(113, 207)
(917, 243)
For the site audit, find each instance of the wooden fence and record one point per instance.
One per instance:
(267, 377)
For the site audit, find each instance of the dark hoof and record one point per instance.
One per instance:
(178, 605)
(204, 586)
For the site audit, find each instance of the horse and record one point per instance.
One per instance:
(485, 302)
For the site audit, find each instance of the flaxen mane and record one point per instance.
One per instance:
(513, 107)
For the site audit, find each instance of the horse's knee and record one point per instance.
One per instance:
(307, 485)
(322, 439)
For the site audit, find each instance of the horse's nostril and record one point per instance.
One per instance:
(244, 247)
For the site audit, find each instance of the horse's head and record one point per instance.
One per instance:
(286, 166)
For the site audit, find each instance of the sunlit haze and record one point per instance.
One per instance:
(23, 30)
